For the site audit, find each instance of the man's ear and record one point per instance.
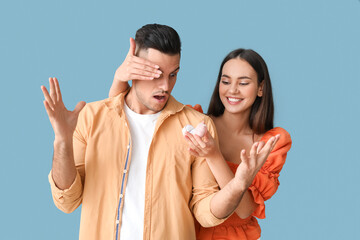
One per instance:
(137, 50)
(260, 90)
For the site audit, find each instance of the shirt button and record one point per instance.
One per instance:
(121, 196)
(117, 221)
(125, 171)
(128, 146)
(61, 199)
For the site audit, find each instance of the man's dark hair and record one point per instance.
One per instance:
(160, 37)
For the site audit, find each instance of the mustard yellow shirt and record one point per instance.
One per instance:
(178, 185)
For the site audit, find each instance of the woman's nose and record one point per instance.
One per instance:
(234, 88)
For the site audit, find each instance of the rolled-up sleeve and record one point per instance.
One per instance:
(67, 200)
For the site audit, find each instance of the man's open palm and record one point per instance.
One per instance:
(62, 120)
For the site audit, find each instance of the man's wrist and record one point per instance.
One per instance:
(62, 141)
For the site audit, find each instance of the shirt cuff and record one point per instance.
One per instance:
(63, 196)
(205, 217)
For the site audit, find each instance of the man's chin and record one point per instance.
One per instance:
(159, 107)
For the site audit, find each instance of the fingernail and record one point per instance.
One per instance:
(159, 72)
(157, 66)
(157, 75)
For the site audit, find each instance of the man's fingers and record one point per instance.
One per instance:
(48, 109)
(52, 90)
(132, 47)
(79, 107)
(47, 97)
(57, 89)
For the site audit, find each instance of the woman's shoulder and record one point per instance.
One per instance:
(277, 157)
(284, 143)
(284, 135)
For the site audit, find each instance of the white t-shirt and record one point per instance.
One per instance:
(141, 129)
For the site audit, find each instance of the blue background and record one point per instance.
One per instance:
(313, 54)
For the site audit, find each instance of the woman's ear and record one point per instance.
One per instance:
(260, 90)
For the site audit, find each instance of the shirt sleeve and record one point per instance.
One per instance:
(266, 181)
(67, 200)
(204, 187)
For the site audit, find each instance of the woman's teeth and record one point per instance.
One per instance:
(234, 99)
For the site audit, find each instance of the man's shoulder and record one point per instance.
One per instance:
(98, 109)
(103, 105)
(193, 115)
(96, 105)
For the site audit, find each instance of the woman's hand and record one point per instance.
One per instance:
(250, 165)
(133, 68)
(136, 68)
(202, 147)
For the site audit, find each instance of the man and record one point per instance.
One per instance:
(124, 158)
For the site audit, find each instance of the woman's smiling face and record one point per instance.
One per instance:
(238, 86)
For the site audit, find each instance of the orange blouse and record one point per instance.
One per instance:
(262, 188)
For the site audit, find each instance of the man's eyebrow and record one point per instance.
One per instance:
(176, 69)
(242, 77)
(171, 71)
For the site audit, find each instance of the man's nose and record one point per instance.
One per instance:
(164, 83)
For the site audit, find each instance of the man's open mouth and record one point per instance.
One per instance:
(160, 98)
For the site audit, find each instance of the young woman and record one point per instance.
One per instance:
(242, 110)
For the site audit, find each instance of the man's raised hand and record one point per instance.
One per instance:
(62, 120)
(135, 67)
